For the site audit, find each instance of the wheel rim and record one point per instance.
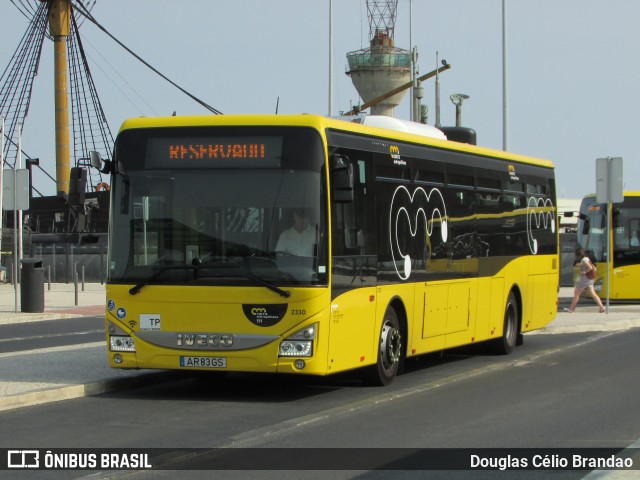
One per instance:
(390, 345)
(510, 326)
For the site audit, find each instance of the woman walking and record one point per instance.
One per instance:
(584, 282)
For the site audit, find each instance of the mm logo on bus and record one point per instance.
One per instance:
(394, 153)
(512, 173)
(265, 315)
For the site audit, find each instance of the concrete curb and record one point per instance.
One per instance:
(82, 390)
(589, 327)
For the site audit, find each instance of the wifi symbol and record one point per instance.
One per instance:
(132, 323)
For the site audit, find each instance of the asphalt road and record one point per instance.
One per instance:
(556, 391)
(51, 333)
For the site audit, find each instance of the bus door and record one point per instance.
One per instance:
(354, 263)
(625, 272)
(452, 263)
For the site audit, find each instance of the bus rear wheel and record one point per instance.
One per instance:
(389, 351)
(505, 344)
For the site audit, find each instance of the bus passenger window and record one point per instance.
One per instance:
(634, 233)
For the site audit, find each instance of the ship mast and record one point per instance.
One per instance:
(60, 28)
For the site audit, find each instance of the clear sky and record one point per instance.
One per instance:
(573, 69)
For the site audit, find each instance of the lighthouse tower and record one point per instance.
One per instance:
(382, 67)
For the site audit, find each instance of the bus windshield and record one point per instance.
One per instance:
(216, 206)
(592, 230)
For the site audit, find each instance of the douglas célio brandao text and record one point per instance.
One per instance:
(549, 462)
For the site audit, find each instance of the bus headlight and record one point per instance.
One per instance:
(122, 343)
(295, 348)
(300, 344)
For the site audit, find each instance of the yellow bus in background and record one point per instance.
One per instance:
(624, 244)
(404, 244)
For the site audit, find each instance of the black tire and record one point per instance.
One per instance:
(510, 334)
(389, 351)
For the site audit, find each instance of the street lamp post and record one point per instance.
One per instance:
(505, 120)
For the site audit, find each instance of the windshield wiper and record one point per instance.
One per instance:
(265, 283)
(197, 268)
(142, 283)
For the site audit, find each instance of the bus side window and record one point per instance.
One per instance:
(461, 209)
(634, 232)
(514, 226)
(342, 179)
(354, 222)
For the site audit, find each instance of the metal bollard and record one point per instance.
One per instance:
(75, 287)
(49, 277)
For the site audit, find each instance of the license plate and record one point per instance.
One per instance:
(203, 362)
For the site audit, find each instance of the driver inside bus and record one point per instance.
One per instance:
(300, 238)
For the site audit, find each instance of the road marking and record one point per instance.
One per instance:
(632, 451)
(63, 348)
(257, 437)
(50, 335)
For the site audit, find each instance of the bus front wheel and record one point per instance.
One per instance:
(389, 351)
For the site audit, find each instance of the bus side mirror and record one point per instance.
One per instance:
(96, 162)
(342, 180)
(586, 226)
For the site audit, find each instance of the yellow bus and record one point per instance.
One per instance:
(301, 244)
(624, 244)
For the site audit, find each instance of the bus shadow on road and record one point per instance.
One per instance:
(230, 387)
(283, 388)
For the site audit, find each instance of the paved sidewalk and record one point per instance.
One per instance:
(586, 317)
(63, 300)
(45, 375)
(620, 317)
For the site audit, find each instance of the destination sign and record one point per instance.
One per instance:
(181, 151)
(213, 152)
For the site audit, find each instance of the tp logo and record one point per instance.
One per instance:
(409, 207)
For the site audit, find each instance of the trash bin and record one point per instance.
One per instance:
(32, 285)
